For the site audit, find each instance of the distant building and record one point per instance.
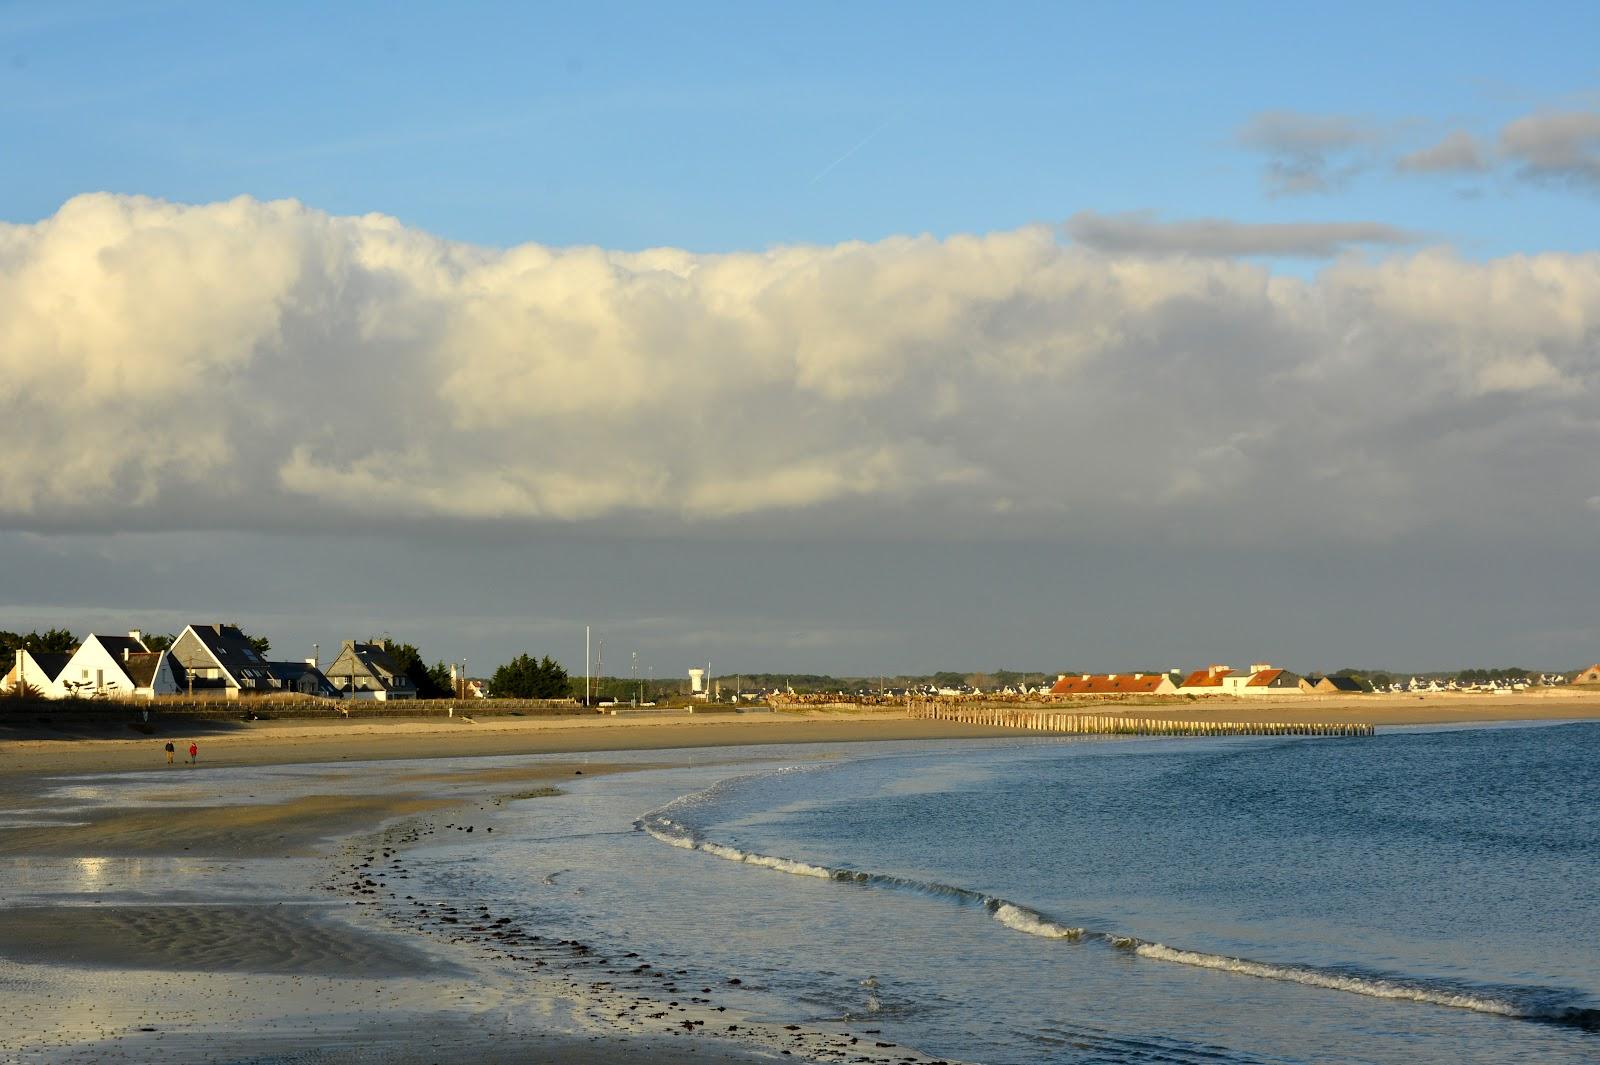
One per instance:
(1588, 676)
(1114, 684)
(1208, 681)
(1261, 680)
(1332, 685)
(118, 667)
(303, 678)
(366, 671)
(218, 660)
(38, 670)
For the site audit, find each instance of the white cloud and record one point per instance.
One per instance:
(261, 365)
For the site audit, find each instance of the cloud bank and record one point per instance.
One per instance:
(266, 365)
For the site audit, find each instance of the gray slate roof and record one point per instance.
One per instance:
(119, 646)
(292, 673)
(51, 663)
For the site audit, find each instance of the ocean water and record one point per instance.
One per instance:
(1420, 896)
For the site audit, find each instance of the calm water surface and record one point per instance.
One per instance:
(1419, 896)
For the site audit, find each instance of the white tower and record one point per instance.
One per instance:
(697, 681)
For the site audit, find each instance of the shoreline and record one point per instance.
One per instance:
(145, 954)
(143, 985)
(54, 749)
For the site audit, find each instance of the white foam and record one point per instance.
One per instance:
(1025, 920)
(1359, 985)
(1021, 919)
(733, 854)
(686, 842)
(765, 861)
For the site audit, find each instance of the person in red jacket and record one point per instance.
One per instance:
(194, 753)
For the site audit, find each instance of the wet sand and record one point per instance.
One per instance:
(39, 749)
(216, 939)
(124, 936)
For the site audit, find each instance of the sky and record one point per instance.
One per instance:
(808, 338)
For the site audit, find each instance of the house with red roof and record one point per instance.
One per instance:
(1114, 684)
(1261, 679)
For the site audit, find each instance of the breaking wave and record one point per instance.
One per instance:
(1547, 1005)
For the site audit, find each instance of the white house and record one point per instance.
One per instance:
(38, 670)
(1262, 679)
(117, 667)
(217, 660)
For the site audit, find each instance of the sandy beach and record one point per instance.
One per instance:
(260, 925)
(43, 748)
(123, 934)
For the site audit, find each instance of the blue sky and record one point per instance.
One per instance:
(725, 127)
(1046, 336)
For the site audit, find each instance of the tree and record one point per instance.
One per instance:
(157, 642)
(526, 678)
(430, 683)
(25, 692)
(54, 641)
(261, 644)
(439, 676)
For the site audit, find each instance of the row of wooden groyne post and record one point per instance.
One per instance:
(1108, 725)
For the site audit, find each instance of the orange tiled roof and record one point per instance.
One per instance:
(1108, 684)
(1205, 678)
(1264, 678)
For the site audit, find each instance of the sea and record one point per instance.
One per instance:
(1427, 895)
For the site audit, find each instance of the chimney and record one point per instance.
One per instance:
(1111, 676)
(1085, 677)
(312, 662)
(135, 634)
(1060, 677)
(1259, 667)
(1138, 676)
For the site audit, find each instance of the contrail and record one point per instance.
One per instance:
(820, 174)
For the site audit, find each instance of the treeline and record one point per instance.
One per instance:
(1384, 677)
(52, 641)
